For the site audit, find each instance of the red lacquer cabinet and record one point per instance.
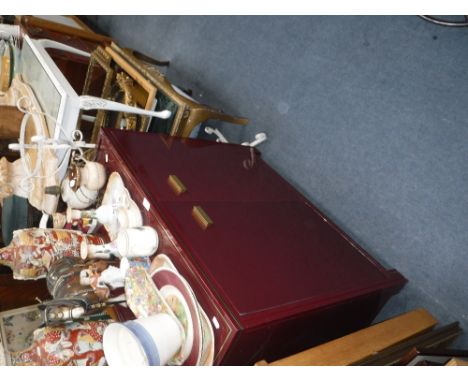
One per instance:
(273, 273)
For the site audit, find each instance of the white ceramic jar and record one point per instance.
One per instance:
(130, 242)
(93, 176)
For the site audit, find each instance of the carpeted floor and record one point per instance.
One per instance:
(367, 116)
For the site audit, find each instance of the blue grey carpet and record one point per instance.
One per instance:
(367, 116)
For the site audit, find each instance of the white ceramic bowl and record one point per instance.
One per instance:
(122, 347)
(152, 340)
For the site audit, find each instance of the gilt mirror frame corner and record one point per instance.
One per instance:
(140, 80)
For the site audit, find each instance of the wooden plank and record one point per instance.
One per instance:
(357, 346)
(86, 34)
(456, 362)
(438, 337)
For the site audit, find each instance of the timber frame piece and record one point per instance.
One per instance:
(358, 346)
(82, 31)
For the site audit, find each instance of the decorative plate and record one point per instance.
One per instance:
(180, 302)
(161, 261)
(178, 305)
(207, 356)
(208, 342)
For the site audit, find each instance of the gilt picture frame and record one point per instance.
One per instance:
(187, 113)
(140, 91)
(164, 89)
(99, 60)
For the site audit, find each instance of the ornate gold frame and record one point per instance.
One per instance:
(139, 79)
(190, 113)
(99, 58)
(106, 59)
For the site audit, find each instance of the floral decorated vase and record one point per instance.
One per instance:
(75, 344)
(33, 250)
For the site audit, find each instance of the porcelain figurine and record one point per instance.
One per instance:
(85, 225)
(33, 250)
(113, 217)
(75, 344)
(103, 214)
(102, 279)
(131, 242)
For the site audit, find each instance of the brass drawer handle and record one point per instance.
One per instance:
(201, 217)
(176, 185)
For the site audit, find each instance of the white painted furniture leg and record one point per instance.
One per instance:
(92, 103)
(88, 118)
(259, 138)
(221, 137)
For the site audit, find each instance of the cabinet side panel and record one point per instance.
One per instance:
(282, 338)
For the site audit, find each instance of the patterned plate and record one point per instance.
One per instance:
(179, 306)
(208, 341)
(166, 277)
(161, 261)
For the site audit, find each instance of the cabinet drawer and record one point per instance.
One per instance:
(207, 170)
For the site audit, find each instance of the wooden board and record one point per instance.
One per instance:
(439, 337)
(457, 362)
(357, 346)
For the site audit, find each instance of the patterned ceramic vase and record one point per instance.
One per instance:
(75, 344)
(33, 250)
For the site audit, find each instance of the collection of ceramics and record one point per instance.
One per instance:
(86, 273)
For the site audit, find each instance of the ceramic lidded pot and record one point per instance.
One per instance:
(75, 344)
(93, 176)
(80, 198)
(33, 250)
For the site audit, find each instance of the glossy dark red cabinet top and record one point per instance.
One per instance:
(268, 249)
